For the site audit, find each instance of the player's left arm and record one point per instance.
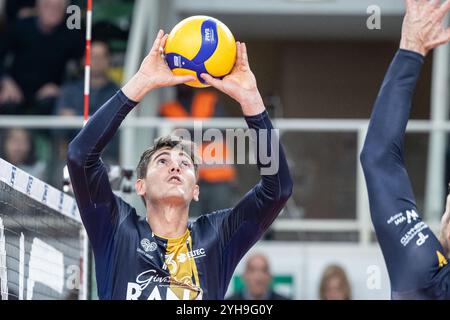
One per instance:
(243, 225)
(263, 203)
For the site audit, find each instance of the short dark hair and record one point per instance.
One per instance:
(170, 142)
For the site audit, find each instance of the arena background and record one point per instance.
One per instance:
(319, 68)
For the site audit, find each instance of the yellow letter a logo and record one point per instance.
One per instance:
(442, 260)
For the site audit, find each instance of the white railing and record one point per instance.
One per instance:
(361, 224)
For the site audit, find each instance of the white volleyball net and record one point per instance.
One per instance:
(42, 242)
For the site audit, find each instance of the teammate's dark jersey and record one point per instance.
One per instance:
(414, 257)
(134, 263)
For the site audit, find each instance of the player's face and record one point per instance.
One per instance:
(171, 178)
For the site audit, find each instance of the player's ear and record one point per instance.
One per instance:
(196, 192)
(139, 186)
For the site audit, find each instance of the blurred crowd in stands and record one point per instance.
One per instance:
(42, 73)
(259, 283)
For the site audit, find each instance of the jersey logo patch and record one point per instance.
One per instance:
(148, 245)
(442, 260)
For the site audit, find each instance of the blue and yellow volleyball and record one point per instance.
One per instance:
(200, 44)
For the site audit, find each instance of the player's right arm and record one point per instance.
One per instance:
(97, 204)
(88, 174)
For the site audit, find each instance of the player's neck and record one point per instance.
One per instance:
(166, 220)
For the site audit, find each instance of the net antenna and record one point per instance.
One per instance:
(87, 64)
(87, 83)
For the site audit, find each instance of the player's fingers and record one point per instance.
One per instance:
(442, 11)
(238, 54)
(419, 5)
(182, 79)
(435, 3)
(410, 5)
(430, 5)
(162, 44)
(157, 42)
(447, 203)
(216, 83)
(440, 40)
(446, 36)
(244, 55)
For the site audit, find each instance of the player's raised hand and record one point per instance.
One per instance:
(423, 25)
(155, 67)
(153, 72)
(240, 84)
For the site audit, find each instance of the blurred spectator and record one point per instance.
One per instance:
(71, 100)
(257, 278)
(216, 181)
(38, 49)
(19, 9)
(334, 284)
(17, 146)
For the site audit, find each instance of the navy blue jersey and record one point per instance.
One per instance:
(134, 263)
(414, 257)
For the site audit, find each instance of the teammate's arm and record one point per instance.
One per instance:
(410, 249)
(383, 150)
